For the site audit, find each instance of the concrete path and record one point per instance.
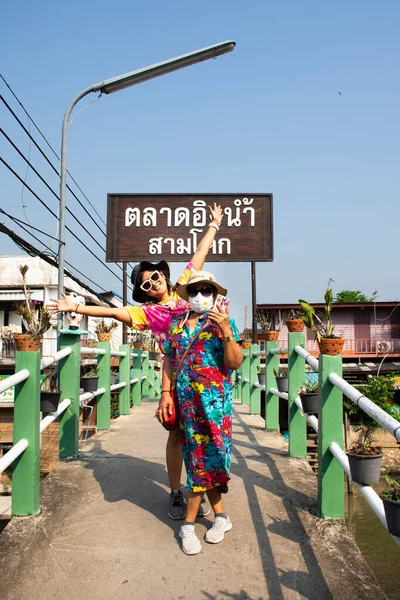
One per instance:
(104, 532)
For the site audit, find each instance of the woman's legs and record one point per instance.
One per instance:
(193, 503)
(174, 460)
(222, 522)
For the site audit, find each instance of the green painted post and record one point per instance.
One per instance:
(70, 377)
(255, 393)
(136, 374)
(297, 422)
(239, 384)
(271, 400)
(235, 394)
(330, 429)
(157, 382)
(246, 375)
(26, 468)
(151, 379)
(125, 375)
(145, 371)
(104, 400)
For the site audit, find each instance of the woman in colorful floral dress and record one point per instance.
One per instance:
(160, 304)
(201, 351)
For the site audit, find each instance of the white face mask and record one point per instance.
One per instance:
(200, 303)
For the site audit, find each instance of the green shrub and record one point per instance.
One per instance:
(380, 389)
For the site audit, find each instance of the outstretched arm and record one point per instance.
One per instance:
(205, 243)
(68, 305)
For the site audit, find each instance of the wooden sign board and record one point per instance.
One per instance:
(169, 226)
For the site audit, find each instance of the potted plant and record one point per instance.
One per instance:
(282, 379)
(321, 324)
(269, 325)
(261, 375)
(309, 396)
(35, 321)
(104, 329)
(90, 381)
(247, 336)
(391, 504)
(113, 377)
(49, 393)
(365, 458)
(294, 320)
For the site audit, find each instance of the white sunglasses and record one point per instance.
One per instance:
(148, 284)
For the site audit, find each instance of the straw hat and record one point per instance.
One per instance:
(200, 277)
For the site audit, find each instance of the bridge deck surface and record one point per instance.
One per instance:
(104, 532)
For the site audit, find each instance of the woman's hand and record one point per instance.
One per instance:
(220, 317)
(216, 214)
(66, 305)
(164, 409)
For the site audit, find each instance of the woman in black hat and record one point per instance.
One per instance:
(160, 304)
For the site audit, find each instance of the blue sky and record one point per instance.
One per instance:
(266, 118)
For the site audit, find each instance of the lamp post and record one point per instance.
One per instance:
(109, 87)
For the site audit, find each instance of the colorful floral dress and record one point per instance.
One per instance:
(204, 392)
(158, 317)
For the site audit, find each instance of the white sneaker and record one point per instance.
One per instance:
(190, 541)
(217, 531)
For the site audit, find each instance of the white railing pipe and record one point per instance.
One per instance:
(378, 414)
(309, 358)
(19, 377)
(283, 395)
(50, 360)
(48, 419)
(97, 351)
(117, 353)
(258, 385)
(367, 491)
(89, 395)
(12, 454)
(117, 386)
(283, 350)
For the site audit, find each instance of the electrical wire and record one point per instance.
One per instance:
(54, 215)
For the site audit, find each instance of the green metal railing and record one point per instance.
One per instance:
(332, 461)
(25, 453)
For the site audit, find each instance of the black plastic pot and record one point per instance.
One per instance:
(261, 378)
(49, 401)
(365, 468)
(90, 384)
(309, 401)
(282, 384)
(392, 513)
(113, 378)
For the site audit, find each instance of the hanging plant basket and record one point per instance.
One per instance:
(26, 344)
(331, 346)
(392, 513)
(261, 378)
(309, 401)
(49, 401)
(90, 384)
(271, 336)
(104, 337)
(146, 348)
(282, 383)
(365, 468)
(295, 325)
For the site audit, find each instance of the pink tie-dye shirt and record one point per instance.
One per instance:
(158, 317)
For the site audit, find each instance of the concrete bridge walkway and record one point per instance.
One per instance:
(104, 532)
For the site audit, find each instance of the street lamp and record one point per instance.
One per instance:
(109, 87)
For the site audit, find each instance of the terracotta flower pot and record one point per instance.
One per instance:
(295, 325)
(331, 346)
(26, 344)
(104, 337)
(271, 336)
(137, 344)
(246, 345)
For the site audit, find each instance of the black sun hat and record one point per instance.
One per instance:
(137, 294)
